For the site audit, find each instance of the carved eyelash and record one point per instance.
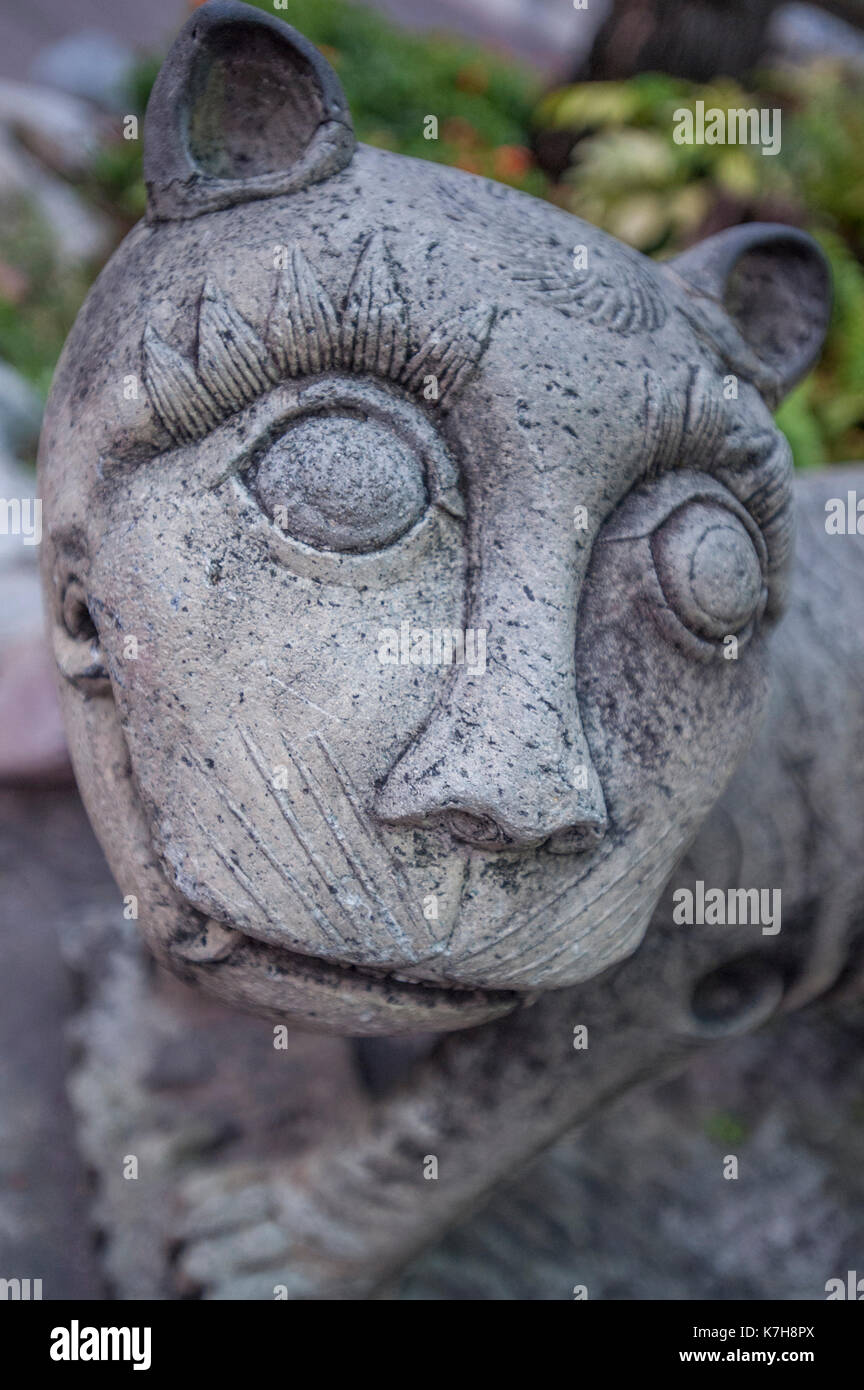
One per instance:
(305, 335)
(756, 465)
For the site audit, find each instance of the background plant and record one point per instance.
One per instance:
(625, 173)
(614, 162)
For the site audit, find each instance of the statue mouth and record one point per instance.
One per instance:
(369, 998)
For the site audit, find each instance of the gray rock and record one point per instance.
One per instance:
(63, 132)
(93, 65)
(78, 233)
(803, 33)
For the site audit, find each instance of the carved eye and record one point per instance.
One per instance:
(710, 570)
(340, 482)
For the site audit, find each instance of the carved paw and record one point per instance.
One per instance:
(247, 1233)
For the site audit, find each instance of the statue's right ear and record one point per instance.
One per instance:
(773, 285)
(244, 107)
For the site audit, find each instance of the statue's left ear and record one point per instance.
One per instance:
(774, 287)
(244, 107)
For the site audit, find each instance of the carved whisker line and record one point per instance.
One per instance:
(526, 920)
(563, 925)
(304, 699)
(365, 878)
(234, 869)
(553, 899)
(304, 335)
(383, 865)
(319, 917)
(318, 866)
(640, 886)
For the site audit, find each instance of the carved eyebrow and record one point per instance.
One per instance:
(620, 290)
(305, 335)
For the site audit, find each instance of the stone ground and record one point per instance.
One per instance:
(50, 865)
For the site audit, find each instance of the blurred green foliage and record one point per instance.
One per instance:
(393, 80)
(725, 1129)
(628, 175)
(38, 298)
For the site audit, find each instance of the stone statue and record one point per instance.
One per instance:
(422, 585)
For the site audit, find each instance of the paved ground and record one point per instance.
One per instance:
(50, 866)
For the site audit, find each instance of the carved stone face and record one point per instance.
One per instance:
(321, 422)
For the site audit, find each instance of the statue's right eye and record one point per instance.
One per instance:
(340, 482)
(710, 570)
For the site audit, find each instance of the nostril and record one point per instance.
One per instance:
(485, 832)
(577, 839)
(481, 831)
(77, 619)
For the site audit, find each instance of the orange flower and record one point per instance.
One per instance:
(511, 161)
(459, 131)
(472, 78)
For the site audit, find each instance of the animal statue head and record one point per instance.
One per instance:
(412, 551)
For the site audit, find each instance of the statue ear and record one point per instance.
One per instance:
(244, 107)
(774, 286)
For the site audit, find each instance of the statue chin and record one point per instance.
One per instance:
(313, 994)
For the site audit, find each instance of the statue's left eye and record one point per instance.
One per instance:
(340, 482)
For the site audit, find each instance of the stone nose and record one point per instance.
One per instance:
(503, 761)
(499, 772)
